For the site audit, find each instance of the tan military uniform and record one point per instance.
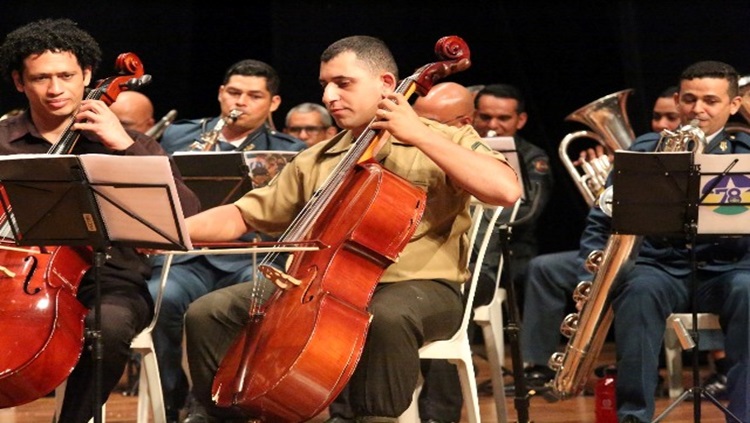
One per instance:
(439, 248)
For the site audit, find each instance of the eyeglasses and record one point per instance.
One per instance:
(312, 130)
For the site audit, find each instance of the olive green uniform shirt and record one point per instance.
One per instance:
(440, 246)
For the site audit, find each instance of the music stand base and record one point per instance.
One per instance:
(698, 394)
(97, 347)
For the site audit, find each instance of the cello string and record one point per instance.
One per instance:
(304, 221)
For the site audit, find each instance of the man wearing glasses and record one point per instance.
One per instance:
(310, 123)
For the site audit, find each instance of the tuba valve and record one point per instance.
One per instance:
(608, 118)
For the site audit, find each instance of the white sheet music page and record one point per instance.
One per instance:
(143, 186)
(725, 210)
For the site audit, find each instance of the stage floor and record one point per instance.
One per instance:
(122, 409)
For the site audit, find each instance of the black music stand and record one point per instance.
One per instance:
(658, 194)
(82, 201)
(217, 178)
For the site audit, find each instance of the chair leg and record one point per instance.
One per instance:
(468, 387)
(60, 397)
(673, 357)
(493, 342)
(149, 390)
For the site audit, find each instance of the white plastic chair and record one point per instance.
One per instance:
(673, 348)
(150, 396)
(458, 349)
(489, 318)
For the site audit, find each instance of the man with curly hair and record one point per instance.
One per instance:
(51, 62)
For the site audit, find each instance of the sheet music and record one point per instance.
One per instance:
(726, 206)
(147, 200)
(222, 177)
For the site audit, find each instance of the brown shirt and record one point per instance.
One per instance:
(440, 245)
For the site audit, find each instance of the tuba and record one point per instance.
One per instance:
(587, 329)
(608, 118)
(209, 138)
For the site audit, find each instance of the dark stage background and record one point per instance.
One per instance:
(563, 55)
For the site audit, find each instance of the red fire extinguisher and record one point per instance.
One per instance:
(604, 397)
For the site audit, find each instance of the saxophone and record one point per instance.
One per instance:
(208, 139)
(159, 127)
(587, 329)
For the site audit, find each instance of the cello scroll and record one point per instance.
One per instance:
(130, 77)
(456, 58)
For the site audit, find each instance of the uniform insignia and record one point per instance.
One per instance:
(723, 146)
(480, 145)
(541, 166)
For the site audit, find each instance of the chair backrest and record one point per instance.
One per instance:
(162, 283)
(476, 221)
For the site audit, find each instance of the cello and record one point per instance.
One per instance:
(42, 322)
(300, 348)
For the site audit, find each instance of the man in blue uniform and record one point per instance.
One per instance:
(250, 88)
(551, 278)
(660, 281)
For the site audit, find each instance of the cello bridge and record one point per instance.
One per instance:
(281, 279)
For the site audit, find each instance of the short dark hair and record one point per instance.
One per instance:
(502, 91)
(370, 50)
(669, 92)
(713, 69)
(55, 35)
(251, 67)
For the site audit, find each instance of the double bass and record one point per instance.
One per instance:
(41, 321)
(301, 347)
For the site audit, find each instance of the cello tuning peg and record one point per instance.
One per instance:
(135, 83)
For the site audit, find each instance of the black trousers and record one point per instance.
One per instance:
(124, 315)
(405, 316)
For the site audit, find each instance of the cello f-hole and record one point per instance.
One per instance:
(312, 274)
(30, 266)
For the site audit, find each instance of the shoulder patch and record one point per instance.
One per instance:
(480, 145)
(541, 166)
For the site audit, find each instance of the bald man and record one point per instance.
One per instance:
(448, 103)
(134, 110)
(440, 399)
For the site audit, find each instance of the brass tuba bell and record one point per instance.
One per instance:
(608, 118)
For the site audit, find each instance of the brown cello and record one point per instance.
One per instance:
(301, 347)
(41, 321)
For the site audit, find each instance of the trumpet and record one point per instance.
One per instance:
(208, 139)
(608, 118)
